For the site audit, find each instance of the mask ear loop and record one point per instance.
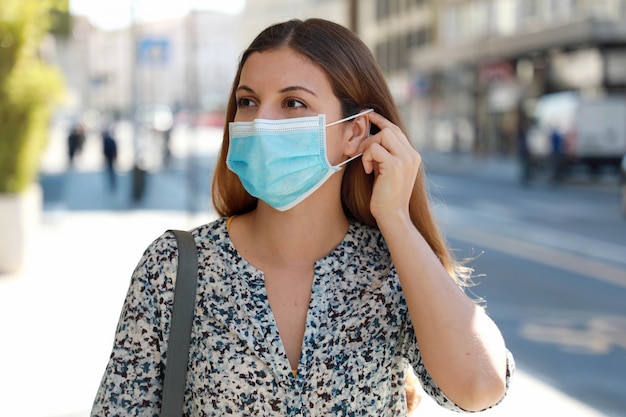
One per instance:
(354, 116)
(350, 118)
(348, 160)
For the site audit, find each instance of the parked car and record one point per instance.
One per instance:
(570, 129)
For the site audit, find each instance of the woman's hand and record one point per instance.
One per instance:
(395, 162)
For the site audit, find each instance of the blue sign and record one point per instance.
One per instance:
(153, 51)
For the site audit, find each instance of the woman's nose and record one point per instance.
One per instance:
(267, 112)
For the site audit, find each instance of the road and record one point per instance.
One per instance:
(551, 266)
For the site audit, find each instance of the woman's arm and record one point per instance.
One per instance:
(461, 347)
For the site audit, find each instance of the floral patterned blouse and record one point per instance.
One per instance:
(357, 344)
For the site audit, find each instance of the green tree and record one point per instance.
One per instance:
(60, 18)
(29, 88)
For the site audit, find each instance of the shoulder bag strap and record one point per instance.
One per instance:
(180, 328)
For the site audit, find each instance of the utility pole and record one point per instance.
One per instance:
(193, 104)
(134, 88)
(353, 15)
(138, 173)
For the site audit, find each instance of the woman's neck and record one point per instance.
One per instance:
(301, 235)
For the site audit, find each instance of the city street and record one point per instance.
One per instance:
(517, 108)
(550, 263)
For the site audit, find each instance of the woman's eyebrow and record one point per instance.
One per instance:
(296, 88)
(284, 90)
(245, 88)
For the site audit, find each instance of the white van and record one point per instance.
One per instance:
(593, 130)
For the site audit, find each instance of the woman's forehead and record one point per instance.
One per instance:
(282, 68)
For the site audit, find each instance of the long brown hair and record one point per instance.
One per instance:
(358, 83)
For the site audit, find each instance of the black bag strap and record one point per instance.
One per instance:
(180, 328)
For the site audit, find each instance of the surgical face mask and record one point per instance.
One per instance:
(282, 162)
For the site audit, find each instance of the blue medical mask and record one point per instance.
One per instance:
(282, 162)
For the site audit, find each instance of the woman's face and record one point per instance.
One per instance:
(282, 84)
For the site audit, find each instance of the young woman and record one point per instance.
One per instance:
(325, 275)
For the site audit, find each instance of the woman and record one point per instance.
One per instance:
(325, 275)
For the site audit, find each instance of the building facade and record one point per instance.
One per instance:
(467, 71)
(464, 72)
(258, 14)
(183, 63)
(186, 63)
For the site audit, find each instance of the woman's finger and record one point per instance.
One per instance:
(382, 122)
(390, 136)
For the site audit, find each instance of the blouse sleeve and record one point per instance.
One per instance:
(411, 352)
(133, 379)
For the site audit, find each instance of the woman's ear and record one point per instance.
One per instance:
(357, 132)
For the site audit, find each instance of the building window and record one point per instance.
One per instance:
(392, 47)
(607, 8)
(531, 9)
(393, 53)
(564, 9)
(505, 18)
(402, 58)
(417, 38)
(477, 19)
(451, 25)
(394, 8)
(381, 51)
(382, 9)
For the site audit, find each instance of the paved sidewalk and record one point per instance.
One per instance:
(58, 315)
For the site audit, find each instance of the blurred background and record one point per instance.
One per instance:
(111, 114)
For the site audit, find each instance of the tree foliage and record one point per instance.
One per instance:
(28, 89)
(60, 18)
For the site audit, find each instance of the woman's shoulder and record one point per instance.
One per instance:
(206, 236)
(159, 260)
(214, 232)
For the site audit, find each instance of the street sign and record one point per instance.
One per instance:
(153, 51)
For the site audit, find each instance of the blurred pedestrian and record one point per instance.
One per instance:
(325, 267)
(623, 184)
(167, 146)
(558, 154)
(109, 148)
(139, 176)
(523, 151)
(75, 142)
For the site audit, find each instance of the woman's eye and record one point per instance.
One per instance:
(244, 102)
(293, 103)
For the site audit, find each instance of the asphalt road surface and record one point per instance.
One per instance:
(551, 266)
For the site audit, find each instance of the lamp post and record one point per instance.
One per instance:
(138, 173)
(193, 104)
